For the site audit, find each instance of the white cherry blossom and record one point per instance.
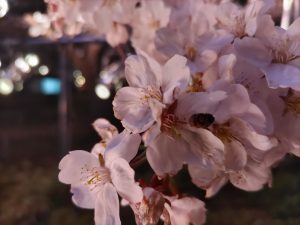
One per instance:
(276, 54)
(152, 86)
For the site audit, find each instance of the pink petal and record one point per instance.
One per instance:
(141, 71)
(123, 179)
(253, 51)
(82, 196)
(187, 211)
(107, 206)
(189, 104)
(124, 145)
(204, 145)
(202, 175)
(283, 75)
(134, 112)
(167, 155)
(235, 156)
(252, 178)
(70, 166)
(246, 132)
(216, 185)
(294, 29)
(175, 73)
(236, 103)
(105, 129)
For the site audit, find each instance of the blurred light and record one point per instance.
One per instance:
(3, 7)
(19, 86)
(32, 59)
(43, 70)
(0, 63)
(40, 18)
(39, 24)
(50, 86)
(77, 73)
(102, 91)
(79, 78)
(6, 86)
(22, 65)
(79, 81)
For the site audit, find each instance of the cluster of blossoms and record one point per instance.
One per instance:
(214, 88)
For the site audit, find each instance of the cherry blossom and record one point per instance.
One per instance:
(97, 178)
(213, 87)
(152, 86)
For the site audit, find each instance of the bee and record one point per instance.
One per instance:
(201, 120)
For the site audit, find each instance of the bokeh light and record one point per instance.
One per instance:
(102, 91)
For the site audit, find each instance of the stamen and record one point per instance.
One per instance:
(191, 53)
(196, 83)
(292, 103)
(94, 177)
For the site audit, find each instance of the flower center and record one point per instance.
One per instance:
(191, 53)
(94, 177)
(108, 3)
(239, 29)
(196, 84)
(292, 102)
(155, 24)
(223, 132)
(169, 121)
(150, 92)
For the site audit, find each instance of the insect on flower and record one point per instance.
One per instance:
(203, 120)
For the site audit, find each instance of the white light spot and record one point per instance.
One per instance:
(3, 7)
(79, 78)
(102, 91)
(32, 60)
(6, 86)
(43, 70)
(79, 81)
(22, 65)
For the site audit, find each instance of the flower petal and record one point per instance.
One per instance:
(294, 29)
(175, 73)
(141, 71)
(132, 108)
(105, 129)
(82, 196)
(283, 75)
(107, 206)
(253, 50)
(98, 148)
(235, 156)
(187, 211)
(124, 145)
(189, 104)
(167, 155)
(70, 165)
(204, 145)
(244, 131)
(122, 176)
(215, 186)
(252, 178)
(202, 175)
(236, 103)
